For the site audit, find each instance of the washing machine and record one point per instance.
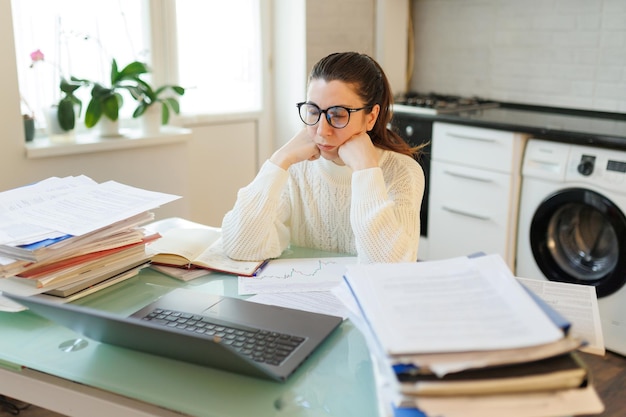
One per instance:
(572, 226)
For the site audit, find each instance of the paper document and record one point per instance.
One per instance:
(562, 403)
(453, 305)
(323, 302)
(12, 202)
(576, 302)
(296, 275)
(92, 207)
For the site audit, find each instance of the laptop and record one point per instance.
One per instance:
(221, 332)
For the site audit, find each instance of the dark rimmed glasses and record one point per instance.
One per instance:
(336, 116)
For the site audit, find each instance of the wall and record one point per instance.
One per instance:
(566, 53)
(221, 159)
(332, 26)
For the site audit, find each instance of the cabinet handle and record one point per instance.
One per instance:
(477, 138)
(467, 177)
(465, 213)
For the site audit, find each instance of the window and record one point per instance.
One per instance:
(210, 47)
(219, 55)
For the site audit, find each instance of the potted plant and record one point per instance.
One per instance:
(29, 126)
(149, 97)
(66, 108)
(149, 100)
(28, 116)
(106, 100)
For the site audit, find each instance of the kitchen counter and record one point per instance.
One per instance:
(581, 127)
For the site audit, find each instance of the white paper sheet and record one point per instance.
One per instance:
(453, 305)
(323, 302)
(92, 207)
(577, 303)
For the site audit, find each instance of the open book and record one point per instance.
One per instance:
(200, 247)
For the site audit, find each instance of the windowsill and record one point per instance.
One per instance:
(89, 142)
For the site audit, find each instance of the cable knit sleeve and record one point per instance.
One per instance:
(385, 210)
(255, 227)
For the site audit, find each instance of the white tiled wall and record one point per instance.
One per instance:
(566, 53)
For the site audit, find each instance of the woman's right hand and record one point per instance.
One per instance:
(299, 148)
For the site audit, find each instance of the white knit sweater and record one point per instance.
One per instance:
(372, 213)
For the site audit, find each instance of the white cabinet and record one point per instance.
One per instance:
(474, 191)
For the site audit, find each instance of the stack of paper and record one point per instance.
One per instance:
(462, 337)
(66, 237)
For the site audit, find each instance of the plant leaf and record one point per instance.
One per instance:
(173, 103)
(141, 109)
(111, 107)
(131, 72)
(93, 113)
(114, 72)
(165, 114)
(65, 114)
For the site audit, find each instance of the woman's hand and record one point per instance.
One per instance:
(299, 148)
(359, 152)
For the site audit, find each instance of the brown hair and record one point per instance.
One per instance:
(370, 83)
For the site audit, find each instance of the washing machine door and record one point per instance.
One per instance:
(578, 235)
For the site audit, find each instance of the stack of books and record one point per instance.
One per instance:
(68, 237)
(463, 337)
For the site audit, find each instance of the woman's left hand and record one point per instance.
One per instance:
(359, 152)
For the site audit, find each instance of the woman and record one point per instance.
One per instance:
(345, 183)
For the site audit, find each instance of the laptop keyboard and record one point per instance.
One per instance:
(259, 345)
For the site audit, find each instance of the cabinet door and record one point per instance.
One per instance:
(476, 147)
(469, 211)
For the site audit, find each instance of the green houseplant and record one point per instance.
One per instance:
(66, 108)
(107, 100)
(149, 97)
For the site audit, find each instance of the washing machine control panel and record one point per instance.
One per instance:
(585, 167)
(598, 167)
(616, 166)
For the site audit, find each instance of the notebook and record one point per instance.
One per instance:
(205, 329)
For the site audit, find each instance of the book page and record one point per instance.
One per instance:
(578, 303)
(457, 304)
(215, 258)
(186, 243)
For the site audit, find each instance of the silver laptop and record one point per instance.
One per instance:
(221, 332)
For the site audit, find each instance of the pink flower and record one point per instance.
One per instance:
(36, 56)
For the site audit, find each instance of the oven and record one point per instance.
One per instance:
(417, 131)
(413, 116)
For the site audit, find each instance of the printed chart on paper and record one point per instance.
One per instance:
(296, 275)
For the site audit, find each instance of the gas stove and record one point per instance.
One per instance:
(432, 103)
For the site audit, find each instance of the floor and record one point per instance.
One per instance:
(609, 379)
(21, 409)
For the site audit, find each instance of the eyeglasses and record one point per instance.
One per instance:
(336, 116)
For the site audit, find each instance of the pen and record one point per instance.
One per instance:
(260, 268)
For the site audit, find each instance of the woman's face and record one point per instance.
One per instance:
(336, 93)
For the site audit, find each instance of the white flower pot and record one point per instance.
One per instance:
(55, 133)
(151, 120)
(109, 128)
